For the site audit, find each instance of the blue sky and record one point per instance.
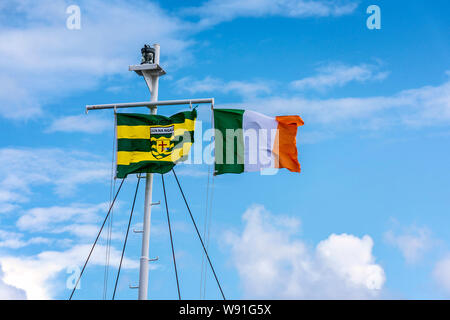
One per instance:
(366, 218)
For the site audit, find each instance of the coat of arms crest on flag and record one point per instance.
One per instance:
(161, 142)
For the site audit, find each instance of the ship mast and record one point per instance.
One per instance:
(151, 71)
(151, 77)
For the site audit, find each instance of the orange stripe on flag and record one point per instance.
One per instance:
(285, 146)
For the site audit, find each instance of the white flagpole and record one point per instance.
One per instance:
(152, 83)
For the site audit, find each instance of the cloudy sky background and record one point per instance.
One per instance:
(366, 218)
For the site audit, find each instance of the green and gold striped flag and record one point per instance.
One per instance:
(153, 143)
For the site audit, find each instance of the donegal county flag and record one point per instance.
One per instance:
(153, 143)
(250, 141)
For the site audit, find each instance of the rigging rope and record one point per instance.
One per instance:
(171, 239)
(207, 222)
(96, 239)
(108, 254)
(208, 218)
(203, 270)
(198, 234)
(126, 236)
(112, 189)
(209, 230)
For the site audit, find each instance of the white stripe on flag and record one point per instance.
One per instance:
(259, 137)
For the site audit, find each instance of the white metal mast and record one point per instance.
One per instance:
(152, 80)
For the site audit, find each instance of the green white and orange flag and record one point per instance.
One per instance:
(250, 141)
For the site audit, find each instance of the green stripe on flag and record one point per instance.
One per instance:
(135, 119)
(232, 160)
(144, 167)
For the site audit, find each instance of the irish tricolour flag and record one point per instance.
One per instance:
(250, 141)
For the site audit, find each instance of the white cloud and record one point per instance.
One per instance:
(38, 53)
(9, 292)
(213, 12)
(81, 220)
(16, 101)
(441, 274)
(89, 231)
(81, 123)
(338, 75)
(23, 168)
(272, 263)
(9, 200)
(209, 84)
(51, 218)
(425, 106)
(14, 240)
(413, 242)
(36, 275)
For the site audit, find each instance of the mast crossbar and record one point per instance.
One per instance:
(150, 104)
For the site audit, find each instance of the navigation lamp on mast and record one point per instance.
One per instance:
(148, 55)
